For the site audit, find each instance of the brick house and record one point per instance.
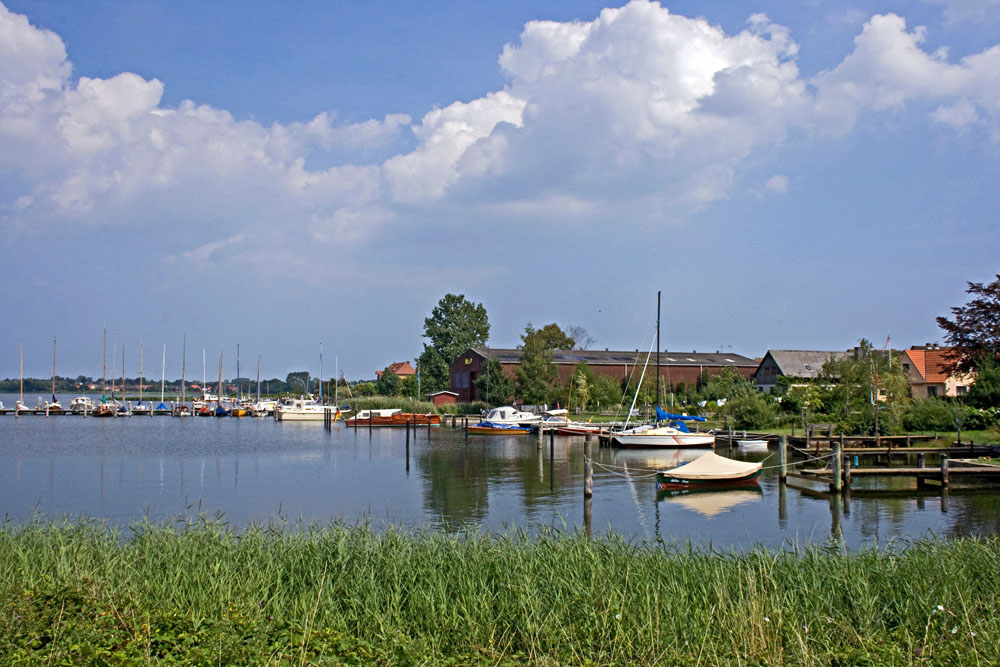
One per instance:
(675, 367)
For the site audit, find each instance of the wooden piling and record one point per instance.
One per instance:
(847, 473)
(837, 483)
(945, 481)
(588, 468)
(782, 459)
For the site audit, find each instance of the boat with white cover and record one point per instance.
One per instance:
(511, 416)
(709, 470)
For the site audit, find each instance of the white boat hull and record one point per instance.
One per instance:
(295, 416)
(664, 440)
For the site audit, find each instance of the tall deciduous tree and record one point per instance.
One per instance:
(455, 324)
(536, 374)
(975, 331)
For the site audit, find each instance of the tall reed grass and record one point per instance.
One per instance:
(79, 591)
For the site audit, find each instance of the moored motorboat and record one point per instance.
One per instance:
(302, 409)
(81, 405)
(497, 428)
(182, 410)
(709, 470)
(510, 415)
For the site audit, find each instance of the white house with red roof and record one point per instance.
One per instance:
(927, 369)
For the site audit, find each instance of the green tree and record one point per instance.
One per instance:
(606, 393)
(455, 324)
(493, 385)
(536, 374)
(389, 384)
(865, 388)
(409, 387)
(975, 331)
(985, 391)
(297, 381)
(582, 385)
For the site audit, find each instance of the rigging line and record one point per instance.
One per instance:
(639, 386)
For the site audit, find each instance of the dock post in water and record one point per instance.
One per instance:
(588, 467)
(847, 474)
(782, 459)
(837, 483)
(921, 462)
(945, 481)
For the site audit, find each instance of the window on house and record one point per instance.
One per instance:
(932, 391)
(961, 390)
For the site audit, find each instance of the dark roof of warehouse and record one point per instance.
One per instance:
(615, 357)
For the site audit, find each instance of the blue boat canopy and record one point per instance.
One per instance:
(665, 416)
(162, 406)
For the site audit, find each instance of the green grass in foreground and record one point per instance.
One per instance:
(76, 593)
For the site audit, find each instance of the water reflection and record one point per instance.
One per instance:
(67, 465)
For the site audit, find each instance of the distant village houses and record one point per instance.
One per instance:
(399, 368)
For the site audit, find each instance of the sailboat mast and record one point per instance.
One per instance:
(140, 371)
(220, 378)
(239, 387)
(123, 372)
(204, 381)
(21, 401)
(336, 382)
(657, 348)
(321, 373)
(53, 369)
(163, 371)
(184, 360)
(258, 378)
(114, 359)
(104, 366)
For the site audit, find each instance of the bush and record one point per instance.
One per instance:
(930, 414)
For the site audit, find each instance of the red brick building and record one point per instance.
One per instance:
(675, 367)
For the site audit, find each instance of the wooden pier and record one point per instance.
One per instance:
(840, 473)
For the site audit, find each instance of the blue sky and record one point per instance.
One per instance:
(790, 175)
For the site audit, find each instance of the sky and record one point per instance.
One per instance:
(789, 175)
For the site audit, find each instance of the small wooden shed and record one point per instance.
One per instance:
(443, 398)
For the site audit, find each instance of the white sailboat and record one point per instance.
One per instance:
(675, 432)
(162, 408)
(19, 406)
(53, 406)
(141, 409)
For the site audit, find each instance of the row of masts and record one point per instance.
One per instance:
(163, 367)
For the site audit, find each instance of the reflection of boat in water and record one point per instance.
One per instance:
(752, 445)
(709, 470)
(655, 459)
(710, 502)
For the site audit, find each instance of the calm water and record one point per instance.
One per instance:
(252, 470)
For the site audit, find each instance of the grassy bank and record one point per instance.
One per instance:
(76, 592)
